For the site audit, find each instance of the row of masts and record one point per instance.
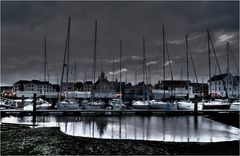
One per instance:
(164, 50)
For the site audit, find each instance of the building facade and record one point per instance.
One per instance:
(87, 86)
(34, 85)
(224, 84)
(177, 88)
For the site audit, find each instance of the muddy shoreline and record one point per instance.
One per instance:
(226, 118)
(51, 141)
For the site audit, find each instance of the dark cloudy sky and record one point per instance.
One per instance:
(24, 24)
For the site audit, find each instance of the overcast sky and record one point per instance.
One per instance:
(24, 24)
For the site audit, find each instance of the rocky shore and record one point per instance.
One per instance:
(51, 141)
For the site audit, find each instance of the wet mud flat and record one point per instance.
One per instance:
(51, 141)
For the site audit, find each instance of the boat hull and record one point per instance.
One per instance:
(141, 105)
(217, 104)
(227, 106)
(68, 106)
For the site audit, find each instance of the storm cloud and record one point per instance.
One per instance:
(24, 24)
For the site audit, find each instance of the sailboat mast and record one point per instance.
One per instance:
(94, 55)
(149, 74)
(120, 67)
(170, 64)
(75, 70)
(194, 69)
(227, 57)
(163, 59)
(136, 77)
(126, 77)
(234, 59)
(187, 57)
(209, 60)
(227, 67)
(144, 64)
(68, 49)
(113, 70)
(45, 57)
(187, 65)
(65, 53)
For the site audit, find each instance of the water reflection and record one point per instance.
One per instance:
(159, 128)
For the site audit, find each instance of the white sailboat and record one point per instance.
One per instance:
(117, 103)
(189, 105)
(163, 105)
(40, 104)
(94, 105)
(154, 104)
(143, 104)
(67, 103)
(217, 103)
(235, 105)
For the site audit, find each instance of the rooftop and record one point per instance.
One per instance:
(217, 77)
(32, 82)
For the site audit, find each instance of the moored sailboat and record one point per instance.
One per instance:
(217, 103)
(67, 103)
(144, 104)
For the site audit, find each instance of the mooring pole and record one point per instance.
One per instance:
(34, 108)
(195, 105)
(23, 102)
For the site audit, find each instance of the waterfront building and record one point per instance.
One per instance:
(178, 88)
(27, 88)
(136, 92)
(102, 84)
(219, 84)
(87, 86)
(7, 91)
(78, 86)
(103, 88)
(70, 86)
(34, 85)
(116, 87)
(200, 89)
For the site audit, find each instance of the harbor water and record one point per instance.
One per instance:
(154, 128)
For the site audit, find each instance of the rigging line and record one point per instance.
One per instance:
(230, 49)
(215, 54)
(113, 69)
(144, 64)
(170, 64)
(163, 40)
(94, 54)
(194, 69)
(64, 59)
(45, 56)
(224, 85)
(47, 71)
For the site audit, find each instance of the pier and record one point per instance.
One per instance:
(113, 112)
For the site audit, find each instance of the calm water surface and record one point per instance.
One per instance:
(158, 128)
